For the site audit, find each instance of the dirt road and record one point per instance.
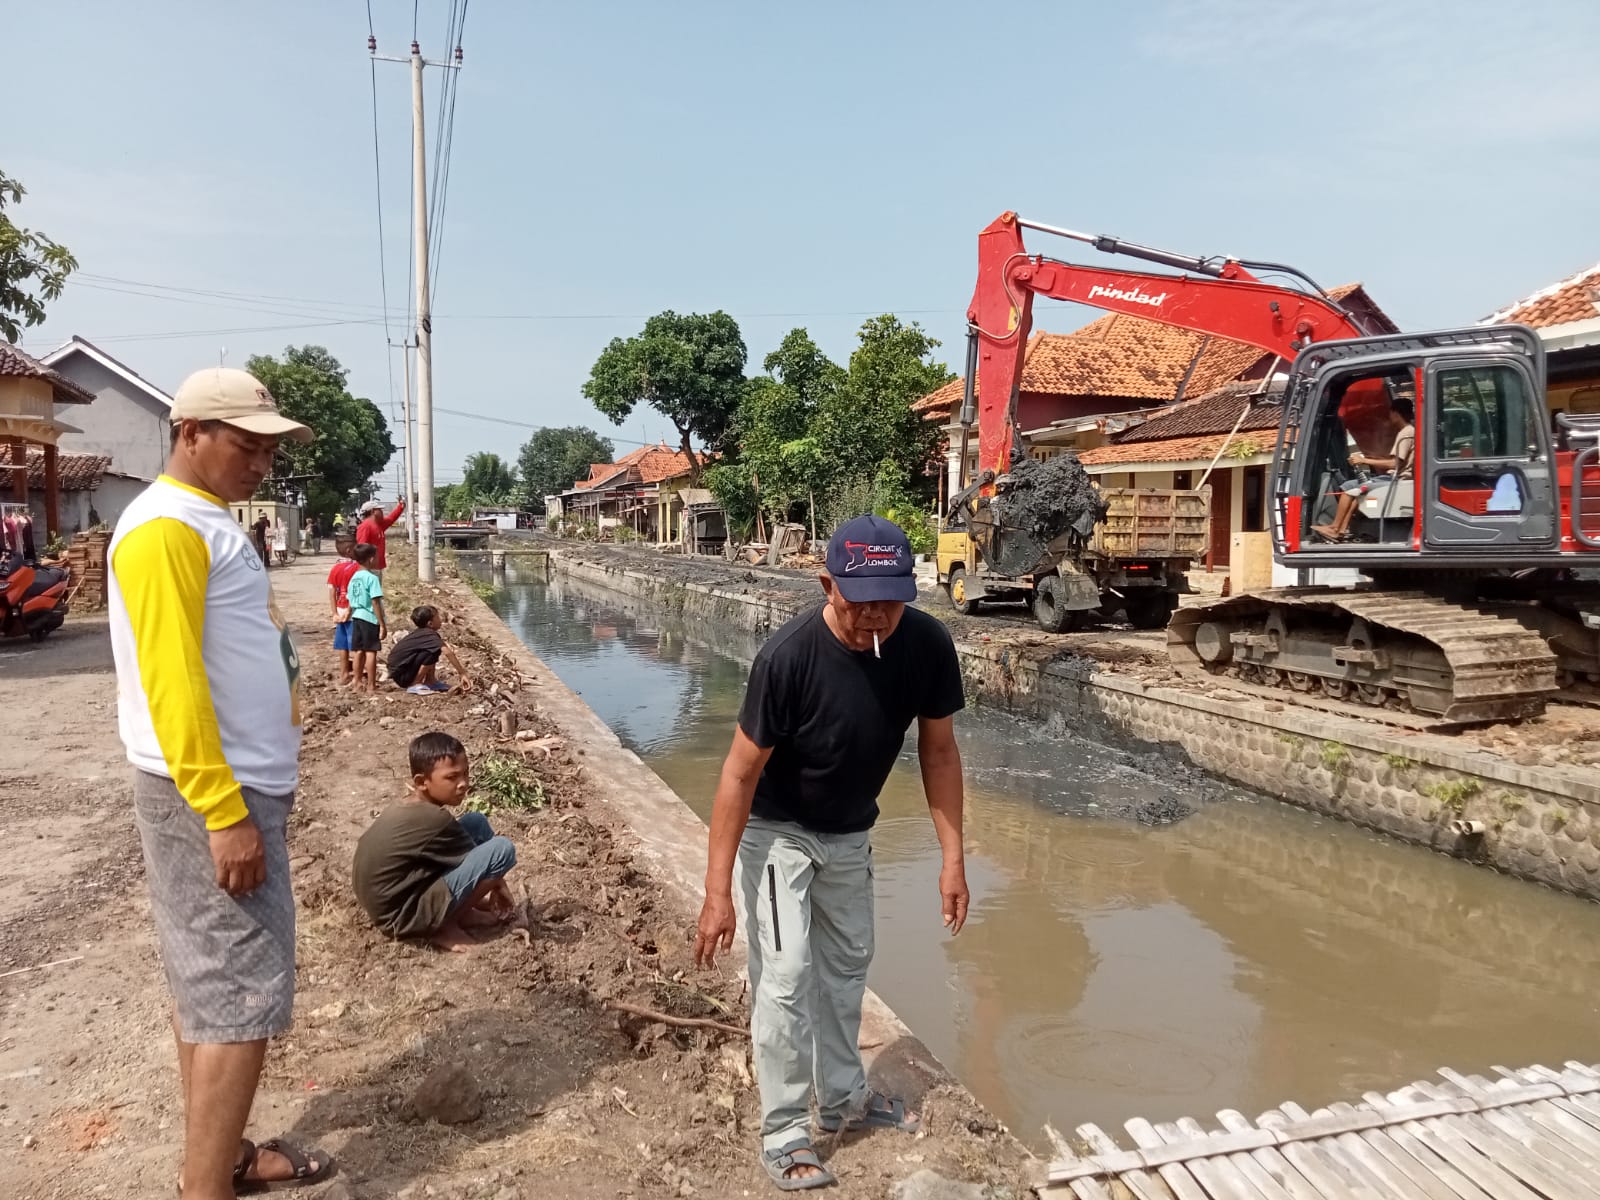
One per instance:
(496, 1074)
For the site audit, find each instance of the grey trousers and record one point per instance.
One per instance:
(808, 919)
(229, 960)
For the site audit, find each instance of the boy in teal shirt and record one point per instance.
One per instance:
(368, 627)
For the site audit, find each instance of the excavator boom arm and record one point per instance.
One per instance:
(1226, 301)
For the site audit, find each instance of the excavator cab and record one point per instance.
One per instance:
(1396, 451)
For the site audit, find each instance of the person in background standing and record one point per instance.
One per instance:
(314, 534)
(280, 542)
(368, 625)
(261, 525)
(374, 530)
(208, 706)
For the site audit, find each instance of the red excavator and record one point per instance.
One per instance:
(1478, 533)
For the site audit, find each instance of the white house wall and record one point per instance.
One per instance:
(125, 424)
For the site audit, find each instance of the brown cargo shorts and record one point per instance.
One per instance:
(229, 960)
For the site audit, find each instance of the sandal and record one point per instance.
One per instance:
(879, 1112)
(299, 1161)
(797, 1154)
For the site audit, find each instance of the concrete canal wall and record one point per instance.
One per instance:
(1538, 823)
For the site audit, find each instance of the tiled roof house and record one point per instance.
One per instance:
(635, 491)
(1569, 301)
(1567, 316)
(1120, 364)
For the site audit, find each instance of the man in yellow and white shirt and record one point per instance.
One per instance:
(208, 708)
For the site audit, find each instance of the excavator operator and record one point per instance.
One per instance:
(1396, 467)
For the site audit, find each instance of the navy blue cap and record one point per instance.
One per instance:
(870, 559)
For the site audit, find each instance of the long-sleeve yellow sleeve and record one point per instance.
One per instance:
(162, 568)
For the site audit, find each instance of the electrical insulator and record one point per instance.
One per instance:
(372, 44)
(416, 49)
(458, 56)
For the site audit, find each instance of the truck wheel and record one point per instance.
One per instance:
(1150, 613)
(956, 588)
(1049, 606)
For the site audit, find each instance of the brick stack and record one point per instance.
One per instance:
(86, 559)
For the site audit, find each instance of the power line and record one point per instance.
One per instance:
(383, 268)
(377, 182)
(178, 334)
(342, 307)
(458, 412)
(81, 276)
(233, 305)
(444, 144)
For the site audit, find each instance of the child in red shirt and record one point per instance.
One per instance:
(339, 603)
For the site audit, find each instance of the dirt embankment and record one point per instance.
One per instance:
(501, 1073)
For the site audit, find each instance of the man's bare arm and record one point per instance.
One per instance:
(730, 812)
(940, 759)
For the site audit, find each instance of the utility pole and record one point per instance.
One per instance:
(411, 487)
(419, 180)
(424, 332)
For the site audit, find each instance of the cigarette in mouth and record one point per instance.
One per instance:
(876, 653)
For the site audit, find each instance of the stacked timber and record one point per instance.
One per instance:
(86, 559)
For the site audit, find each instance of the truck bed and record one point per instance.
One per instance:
(1154, 523)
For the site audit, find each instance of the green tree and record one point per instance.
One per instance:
(688, 367)
(454, 501)
(352, 442)
(868, 425)
(553, 459)
(33, 269)
(490, 479)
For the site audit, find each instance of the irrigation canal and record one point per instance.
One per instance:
(1123, 959)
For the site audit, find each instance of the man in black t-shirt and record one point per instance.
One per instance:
(825, 714)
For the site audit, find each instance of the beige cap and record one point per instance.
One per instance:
(237, 398)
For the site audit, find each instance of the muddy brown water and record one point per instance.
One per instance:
(1247, 954)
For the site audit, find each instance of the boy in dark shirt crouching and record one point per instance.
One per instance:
(414, 662)
(421, 872)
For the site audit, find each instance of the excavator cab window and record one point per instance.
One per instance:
(1490, 481)
(1360, 480)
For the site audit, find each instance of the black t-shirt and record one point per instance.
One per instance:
(418, 649)
(836, 718)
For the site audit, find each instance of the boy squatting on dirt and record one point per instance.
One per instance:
(421, 872)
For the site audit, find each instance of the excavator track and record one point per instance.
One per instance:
(1404, 657)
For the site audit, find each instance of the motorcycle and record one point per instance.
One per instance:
(33, 598)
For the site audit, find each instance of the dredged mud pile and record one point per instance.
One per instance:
(1048, 498)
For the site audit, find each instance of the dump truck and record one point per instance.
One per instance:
(1133, 559)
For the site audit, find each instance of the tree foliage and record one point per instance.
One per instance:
(555, 458)
(490, 479)
(352, 442)
(688, 367)
(33, 269)
(810, 435)
(870, 422)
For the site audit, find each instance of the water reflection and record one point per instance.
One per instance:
(1244, 956)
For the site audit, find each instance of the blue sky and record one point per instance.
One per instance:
(805, 164)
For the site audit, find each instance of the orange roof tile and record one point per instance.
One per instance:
(1170, 450)
(74, 472)
(1129, 358)
(1116, 356)
(1575, 298)
(651, 464)
(18, 362)
(1241, 401)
